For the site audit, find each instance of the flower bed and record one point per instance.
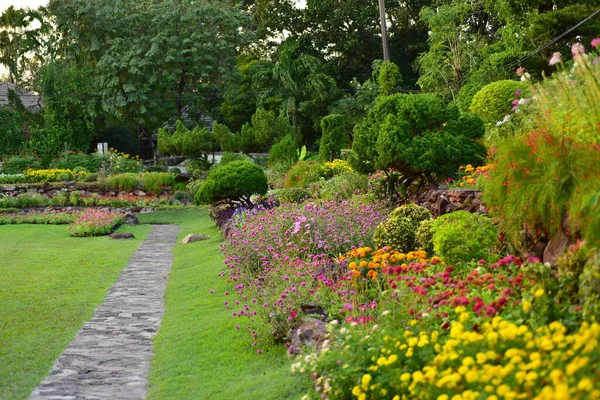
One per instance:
(90, 222)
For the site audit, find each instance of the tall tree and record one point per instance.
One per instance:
(20, 34)
(164, 58)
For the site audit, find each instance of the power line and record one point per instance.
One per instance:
(77, 98)
(552, 41)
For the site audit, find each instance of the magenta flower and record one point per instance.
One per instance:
(596, 42)
(556, 58)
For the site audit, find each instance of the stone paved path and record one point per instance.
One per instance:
(110, 356)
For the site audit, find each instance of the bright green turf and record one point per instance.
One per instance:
(50, 284)
(198, 353)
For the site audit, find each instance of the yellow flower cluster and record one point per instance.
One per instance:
(370, 261)
(114, 152)
(501, 360)
(472, 174)
(335, 167)
(52, 175)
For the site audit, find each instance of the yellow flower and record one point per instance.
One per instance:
(539, 292)
(502, 389)
(585, 384)
(526, 306)
(405, 377)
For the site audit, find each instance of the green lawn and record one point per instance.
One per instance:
(198, 353)
(50, 284)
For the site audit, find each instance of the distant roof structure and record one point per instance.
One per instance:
(31, 101)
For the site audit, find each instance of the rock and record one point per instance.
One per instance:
(440, 205)
(314, 309)
(136, 209)
(309, 332)
(183, 178)
(131, 219)
(8, 188)
(127, 235)
(192, 237)
(555, 247)
(139, 192)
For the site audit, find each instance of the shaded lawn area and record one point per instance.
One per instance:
(50, 284)
(198, 354)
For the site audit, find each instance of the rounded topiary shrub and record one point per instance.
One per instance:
(589, 289)
(494, 101)
(424, 236)
(462, 237)
(234, 182)
(302, 174)
(399, 230)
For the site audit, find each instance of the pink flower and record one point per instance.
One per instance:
(556, 58)
(520, 71)
(577, 49)
(596, 42)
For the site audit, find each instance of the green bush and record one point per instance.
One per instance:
(302, 174)
(417, 135)
(589, 289)
(76, 161)
(25, 200)
(293, 195)
(93, 177)
(60, 198)
(18, 163)
(494, 101)
(230, 157)
(334, 137)
(283, 152)
(233, 183)
(121, 182)
(424, 236)
(462, 237)
(156, 182)
(343, 187)
(76, 198)
(91, 200)
(399, 230)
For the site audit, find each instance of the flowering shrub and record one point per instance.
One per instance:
(542, 176)
(119, 162)
(282, 257)
(17, 163)
(95, 223)
(437, 332)
(303, 231)
(499, 359)
(470, 177)
(39, 217)
(336, 167)
(52, 175)
(78, 159)
(12, 178)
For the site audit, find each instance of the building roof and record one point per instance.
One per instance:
(31, 101)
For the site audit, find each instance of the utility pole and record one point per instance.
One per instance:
(384, 37)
